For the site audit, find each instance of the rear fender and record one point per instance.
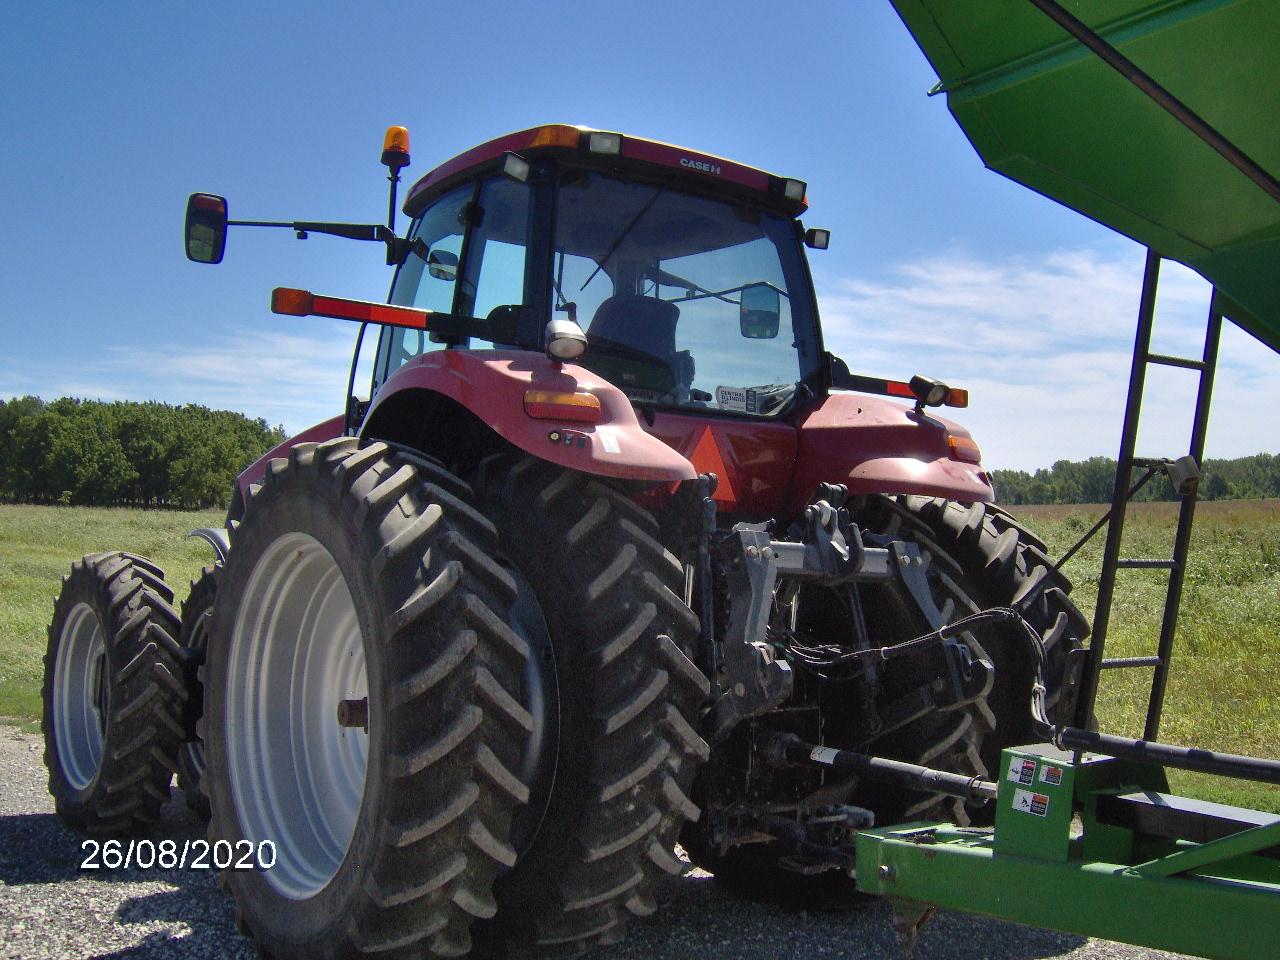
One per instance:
(258, 469)
(874, 445)
(491, 384)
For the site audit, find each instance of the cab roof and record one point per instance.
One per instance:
(610, 149)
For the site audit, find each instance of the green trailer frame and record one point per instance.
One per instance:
(1181, 158)
(1079, 846)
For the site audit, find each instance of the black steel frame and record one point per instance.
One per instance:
(1112, 562)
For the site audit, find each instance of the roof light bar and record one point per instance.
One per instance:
(600, 142)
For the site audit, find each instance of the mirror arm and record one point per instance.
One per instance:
(398, 248)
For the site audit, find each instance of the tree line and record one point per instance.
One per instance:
(1090, 481)
(125, 453)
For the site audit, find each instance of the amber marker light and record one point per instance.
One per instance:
(291, 302)
(962, 448)
(300, 303)
(555, 135)
(558, 405)
(958, 397)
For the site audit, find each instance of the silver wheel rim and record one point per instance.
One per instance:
(296, 776)
(78, 720)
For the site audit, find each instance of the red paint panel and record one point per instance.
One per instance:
(877, 446)
(492, 385)
(716, 168)
(563, 136)
(752, 458)
(318, 434)
(472, 158)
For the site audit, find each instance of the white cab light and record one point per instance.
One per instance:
(605, 143)
(515, 167)
(565, 340)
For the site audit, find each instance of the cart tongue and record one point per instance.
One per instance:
(1046, 111)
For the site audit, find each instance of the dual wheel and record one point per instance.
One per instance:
(450, 737)
(114, 695)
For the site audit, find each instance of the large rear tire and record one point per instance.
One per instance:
(358, 586)
(629, 700)
(193, 635)
(113, 695)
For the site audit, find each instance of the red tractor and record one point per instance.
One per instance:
(611, 540)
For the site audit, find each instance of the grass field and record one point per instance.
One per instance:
(37, 545)
(1224, 685)
(1224, 691)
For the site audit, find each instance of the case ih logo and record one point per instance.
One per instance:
(702, 165)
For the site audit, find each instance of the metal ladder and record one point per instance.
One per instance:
(1185, 474)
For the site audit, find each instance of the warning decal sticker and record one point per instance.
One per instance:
(823, 755)
(1051, 775)
(1022, 771)
(1024, 801)
(706, 458)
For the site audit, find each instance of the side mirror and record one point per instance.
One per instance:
(442, 265)
(206, 228)
(759, 312)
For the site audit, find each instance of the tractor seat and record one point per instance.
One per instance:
(645, 326)
(642, 323)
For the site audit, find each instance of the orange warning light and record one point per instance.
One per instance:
(395, 147)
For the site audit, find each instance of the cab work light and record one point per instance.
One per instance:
(300, 303)
(515, 166)
(794, 189)
(559, 405)
(599, 142)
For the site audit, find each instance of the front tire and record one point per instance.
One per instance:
(113, 695)
(357, 587)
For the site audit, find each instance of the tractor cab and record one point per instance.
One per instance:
(684, 271)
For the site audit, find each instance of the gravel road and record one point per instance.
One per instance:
(49, 907)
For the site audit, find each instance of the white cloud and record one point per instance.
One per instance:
(1044, 344)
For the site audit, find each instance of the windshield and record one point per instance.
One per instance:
(686, 301)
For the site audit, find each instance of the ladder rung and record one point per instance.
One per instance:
(1175, 361)
(1138, 564)
(1125, 663)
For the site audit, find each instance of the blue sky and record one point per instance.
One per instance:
(113, 113)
